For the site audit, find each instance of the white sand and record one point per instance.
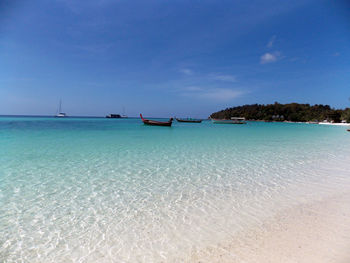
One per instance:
(317, 232)
(334, 124)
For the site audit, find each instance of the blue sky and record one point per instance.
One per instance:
(162, 58)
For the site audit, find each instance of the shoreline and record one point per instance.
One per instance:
(334, 124)
(312, 232)
(305, 122)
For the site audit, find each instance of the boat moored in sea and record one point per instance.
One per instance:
(60, 114)
(189, 120)
(113, 116)
(233, 120)
(157, 123)
(124, 116)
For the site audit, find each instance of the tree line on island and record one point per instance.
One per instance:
(285, 112)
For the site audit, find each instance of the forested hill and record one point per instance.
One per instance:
(285, 112)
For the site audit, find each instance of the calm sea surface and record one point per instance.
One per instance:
(114, 190)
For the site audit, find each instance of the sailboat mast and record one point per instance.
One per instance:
(60, 113)
(60, 107)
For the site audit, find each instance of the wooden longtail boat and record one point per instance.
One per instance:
(189, 120)
(157, 123)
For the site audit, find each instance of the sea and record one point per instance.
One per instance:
(116, 190)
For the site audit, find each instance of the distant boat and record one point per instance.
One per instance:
(123, 114)
(60, 114)
(113, 116)
(233, 120)
(157, 123)
(189, 120)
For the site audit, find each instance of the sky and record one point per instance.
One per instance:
(171, 58)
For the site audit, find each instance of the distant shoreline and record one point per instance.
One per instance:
(294, 112)
(307, 122)
(335, 124)
(204, 119)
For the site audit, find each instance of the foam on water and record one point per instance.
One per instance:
(96, 190)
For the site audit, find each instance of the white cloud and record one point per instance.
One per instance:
(270, 57)
(186, 71)
(228, 78)
(271, 42)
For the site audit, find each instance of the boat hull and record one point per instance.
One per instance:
(157, 123)
(113, 116)
(217, 121)
(61, 115)
(190, 121)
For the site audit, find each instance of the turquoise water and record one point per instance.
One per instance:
(115, 190)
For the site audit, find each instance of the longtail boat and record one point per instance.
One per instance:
(157, 123)
(189, 120)
(233, 120)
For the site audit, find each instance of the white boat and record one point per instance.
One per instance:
(233, 120)
(60, 114)
(124, 115)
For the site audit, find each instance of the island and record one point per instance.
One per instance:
(294, 112)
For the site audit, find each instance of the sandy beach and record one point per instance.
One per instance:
(316, 232)
(334, 124)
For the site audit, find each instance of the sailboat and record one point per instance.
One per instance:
(60, 114)
(124, 115)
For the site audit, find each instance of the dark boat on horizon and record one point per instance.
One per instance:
(189, 120)
(157, 123)
(113, 116)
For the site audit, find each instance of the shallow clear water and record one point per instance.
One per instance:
(114, 190)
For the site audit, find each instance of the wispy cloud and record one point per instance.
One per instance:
(216, 94)
(294, 59)
(78, 7)
(94, 48)
(271, 42)
(193, 88)
(221, 77)
(186, 71)
(336, 54)
(270, 57)
(221, 94)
